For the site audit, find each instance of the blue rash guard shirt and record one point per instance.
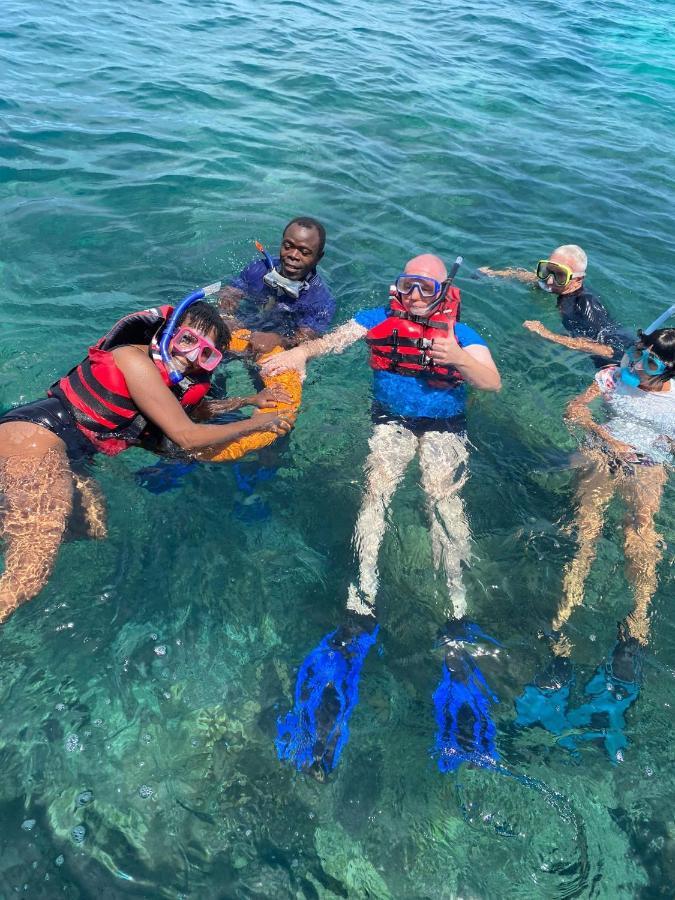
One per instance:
(416, 398)
(272, 310)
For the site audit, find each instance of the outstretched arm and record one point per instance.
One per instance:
(161, 407)
(334, 342)
(578, 413)
(523, 275)
(585, 345)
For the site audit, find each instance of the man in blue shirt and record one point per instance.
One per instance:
(423, 414)
(283, 299)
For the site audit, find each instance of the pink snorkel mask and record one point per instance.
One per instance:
(195, 348)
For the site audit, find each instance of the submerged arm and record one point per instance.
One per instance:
(585, 345)
(578, 413)
(334, 342)
(523, 275)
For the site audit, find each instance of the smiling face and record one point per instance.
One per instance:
(300, 251)
(424, 266)
(191, 345)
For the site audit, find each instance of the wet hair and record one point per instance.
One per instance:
(662, 343)
(309, 222)
(204, 317)
(576, 255)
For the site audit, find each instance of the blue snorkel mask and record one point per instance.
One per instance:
(175, 376)
(650, 363)
(274, 279)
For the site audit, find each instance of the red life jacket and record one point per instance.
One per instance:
(96, 393)
(400, 343)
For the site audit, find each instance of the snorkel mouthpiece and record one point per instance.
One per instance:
(629, 377)
(544, 286)
(175, 376)
(628, 374)
(274, 279)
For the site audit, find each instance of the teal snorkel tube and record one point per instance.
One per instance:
(175, 377)
(662, 319)
(628, 376)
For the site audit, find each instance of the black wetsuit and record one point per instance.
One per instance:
(584, 316)
(50, 413)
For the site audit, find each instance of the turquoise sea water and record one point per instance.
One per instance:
(143, 146)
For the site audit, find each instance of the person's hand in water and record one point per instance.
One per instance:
(278, 424)
(536, 327)
(269, 397)
(294, 359)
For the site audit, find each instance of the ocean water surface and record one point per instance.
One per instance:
(143, 147)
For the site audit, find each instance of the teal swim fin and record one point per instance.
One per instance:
(611, 691)
(545, 701)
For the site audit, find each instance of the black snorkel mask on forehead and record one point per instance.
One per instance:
(274, 279)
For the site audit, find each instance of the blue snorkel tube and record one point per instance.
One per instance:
(175, 377)
(628, 376)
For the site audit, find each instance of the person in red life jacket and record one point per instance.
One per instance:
(422, 358)
(126, 392)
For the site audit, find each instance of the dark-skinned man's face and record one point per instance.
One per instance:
(299, 251)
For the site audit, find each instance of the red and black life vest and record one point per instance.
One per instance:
(400, 343)
(96, 391)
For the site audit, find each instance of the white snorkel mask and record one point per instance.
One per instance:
(629, 375)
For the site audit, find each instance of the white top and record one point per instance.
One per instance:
(639, 418)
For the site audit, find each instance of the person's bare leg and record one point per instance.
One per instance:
(594, 491)
(391, 449)
(642, 543)
(93, 506)
(443, 460)
(37, 487)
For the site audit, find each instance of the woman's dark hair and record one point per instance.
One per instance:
(205, 317)
(662, 343)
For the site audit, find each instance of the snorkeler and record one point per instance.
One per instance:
(630, 454)
(147, 379)
(292, 302)
(584, 318)
(422, 358)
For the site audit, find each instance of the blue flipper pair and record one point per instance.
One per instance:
(313, 734)
(466, 732)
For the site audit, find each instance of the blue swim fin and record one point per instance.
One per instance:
(314, 733)
(466, 732)
(614, 687)
(165, 475)
(545, 701)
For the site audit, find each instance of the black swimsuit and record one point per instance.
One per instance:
(51, 414)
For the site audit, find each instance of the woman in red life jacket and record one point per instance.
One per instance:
(126, 392)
